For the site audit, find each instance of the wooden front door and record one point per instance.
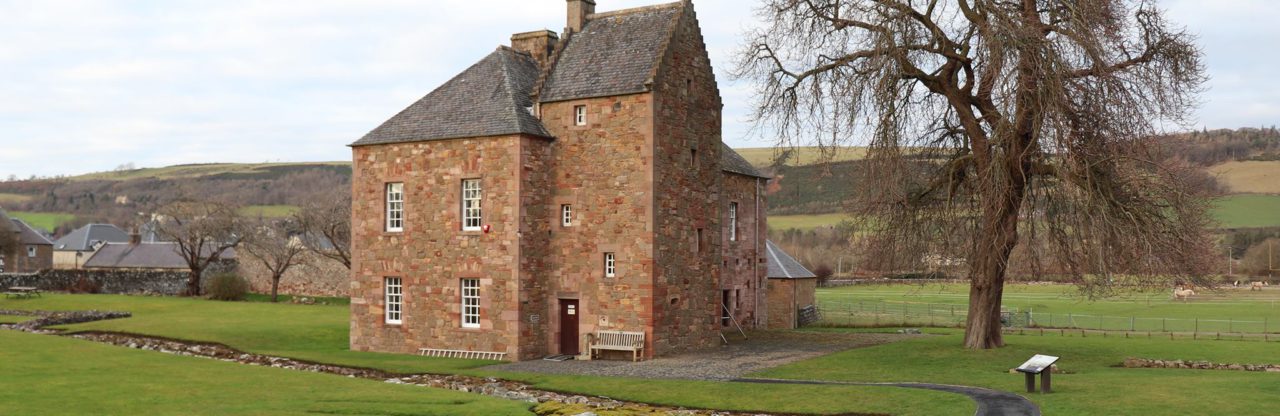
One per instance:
(569, 327)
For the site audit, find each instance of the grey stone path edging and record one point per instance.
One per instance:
(990, 402)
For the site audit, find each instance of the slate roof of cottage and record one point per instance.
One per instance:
(490, 98)
(614, 54)
(142, 256)
(731, 161)
(27, 234)
(85, 237)
(783, 266)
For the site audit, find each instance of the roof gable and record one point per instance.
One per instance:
(490, 98)
(783, 266)
(614, 54)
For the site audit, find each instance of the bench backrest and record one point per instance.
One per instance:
(619, 337)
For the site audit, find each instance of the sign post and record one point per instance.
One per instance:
(1038, 364)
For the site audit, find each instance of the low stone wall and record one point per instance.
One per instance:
(316, 276)
(110, 281)
(1197, 365)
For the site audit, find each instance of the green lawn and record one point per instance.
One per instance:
(45, 220)
(805, 222)
(50, 375)
(11, 319)
(268, 211)
(319, 333)
(1093, 385)
(1247, 211)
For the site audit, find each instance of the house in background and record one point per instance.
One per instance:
(558, 187)
(71, 251)
(136, 255)
(792, 288)
(35, 251)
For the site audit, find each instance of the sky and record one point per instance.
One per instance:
(87, 86)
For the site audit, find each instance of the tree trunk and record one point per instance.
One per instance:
(193, 282)
(275, 287)
(989, 262)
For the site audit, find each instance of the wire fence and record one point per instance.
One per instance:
(880, 313)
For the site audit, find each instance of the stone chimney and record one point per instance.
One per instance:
(135, 237)
(578, 12)
(538, 43)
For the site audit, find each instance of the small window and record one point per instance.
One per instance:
(733, 221)
(698, 244)
(580, 115)
(471, 205)
(693, 157)
(31, 251)
(394, 294)
(470, 303)
(395, 207)
(610, 265)
(566, 215)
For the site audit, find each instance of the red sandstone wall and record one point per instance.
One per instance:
(743, 272)
(432, 253)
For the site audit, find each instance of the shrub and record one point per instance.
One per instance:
(84, 285)
(227, 286)
(824, 274)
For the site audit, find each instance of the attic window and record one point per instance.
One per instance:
(580, 115)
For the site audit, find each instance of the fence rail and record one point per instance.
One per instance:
(879, 313)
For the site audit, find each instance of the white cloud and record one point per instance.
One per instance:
(88, 85)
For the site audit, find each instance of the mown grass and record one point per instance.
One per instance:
(808, 155)
(50, 375)
(12, 319)
(1254, 177)
(1247, 211)
(319, 333)
(268, 211)
(1093, 384)
(44, 220)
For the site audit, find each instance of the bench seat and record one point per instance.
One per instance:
(618, 341)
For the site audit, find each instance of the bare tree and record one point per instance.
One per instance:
(271, 243)
(326, 226)
(204, 232)
(989, 121)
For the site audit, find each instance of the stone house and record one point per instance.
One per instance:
(560, 186)
(791, 288)
(71, 251)
(34, 252)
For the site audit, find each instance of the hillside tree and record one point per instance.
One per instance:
(272, 244)
(326, 227)
(992, 121)
(204, 231)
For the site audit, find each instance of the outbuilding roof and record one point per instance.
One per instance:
(142, 256)
(783, 266)
(731, 161)
(614, 54)
(491, 98)
(84, 238)
(28, 235)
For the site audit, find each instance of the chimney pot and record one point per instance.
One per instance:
(539, 44)
(578, 12)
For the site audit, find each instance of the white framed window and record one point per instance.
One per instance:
(471, 205)
(31, 251)
(470, 303)
(733, 221)
(566, 215)
(579, 115)
(395, 207)
(394, 294)
(610, 265)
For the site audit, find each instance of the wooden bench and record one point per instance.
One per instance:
(618, 341)
(22, 292)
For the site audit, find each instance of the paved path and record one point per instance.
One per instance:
(990, 402)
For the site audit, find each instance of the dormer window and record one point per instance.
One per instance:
(580, 115)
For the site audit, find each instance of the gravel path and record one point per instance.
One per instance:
(990, 402)
(764, 350)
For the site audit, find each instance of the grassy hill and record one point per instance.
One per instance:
(764, 156)
(1252, 177)
(214, 170)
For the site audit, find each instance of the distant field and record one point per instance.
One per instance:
(804, 222)
(268, 211)
(13, 198)
(203, 170)
(46, 220)
(1247, 211)
(1252, 177)
(763, 156)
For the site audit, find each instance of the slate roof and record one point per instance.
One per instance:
(84, 238)
(783, 266)
(731, 161)
(614, 54)
(142, 256)
(490, 98)
(28, 234)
